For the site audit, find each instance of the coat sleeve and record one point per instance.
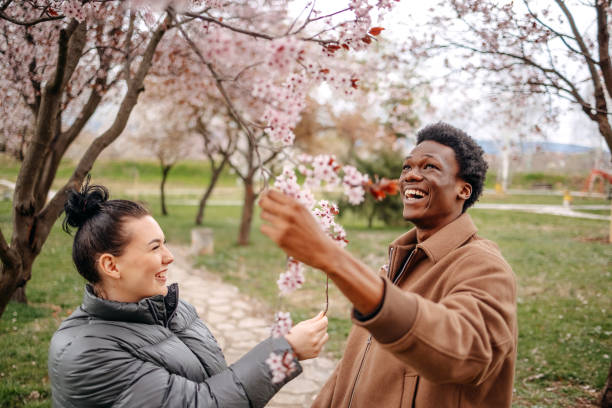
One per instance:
(85, 374)
(463, 338)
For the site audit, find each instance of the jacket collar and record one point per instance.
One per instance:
(450, 237)
(156, 309)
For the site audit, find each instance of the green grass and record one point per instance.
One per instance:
(562, 265)
(564, 273)
(127, 174)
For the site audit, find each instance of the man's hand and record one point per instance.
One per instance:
(295, 230)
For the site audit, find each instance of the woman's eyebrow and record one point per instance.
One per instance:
(154, 240)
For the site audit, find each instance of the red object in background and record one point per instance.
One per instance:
(595, 174)
(381, 187)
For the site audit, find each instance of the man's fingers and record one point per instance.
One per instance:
(274, 207)
(270, 217)
(270, 231)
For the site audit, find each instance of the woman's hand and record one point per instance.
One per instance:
(308, 337)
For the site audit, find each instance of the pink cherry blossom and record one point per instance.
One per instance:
(281, 366)
(282, 324)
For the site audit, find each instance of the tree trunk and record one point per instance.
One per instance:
(213, 181)
(606, 396)
(247, 212)
(165, 171)
(13, 279)
(32, 220)
(7, 285)
(19, 295)
(371, 216)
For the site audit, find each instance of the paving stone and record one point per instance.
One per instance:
(235, 321)
(286, 399)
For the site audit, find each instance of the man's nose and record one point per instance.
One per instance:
(412, 174)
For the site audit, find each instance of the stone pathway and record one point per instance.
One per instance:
(239, 323)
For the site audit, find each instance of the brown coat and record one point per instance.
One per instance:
(445, 337)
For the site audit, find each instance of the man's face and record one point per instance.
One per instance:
(432, 193)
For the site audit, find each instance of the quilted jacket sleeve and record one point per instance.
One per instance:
(98, 373)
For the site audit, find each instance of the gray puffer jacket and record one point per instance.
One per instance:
(154, 353)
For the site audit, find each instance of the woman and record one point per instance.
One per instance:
(133, 342)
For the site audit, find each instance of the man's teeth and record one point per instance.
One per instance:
(414, 194)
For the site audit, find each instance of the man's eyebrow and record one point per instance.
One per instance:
(433, 156)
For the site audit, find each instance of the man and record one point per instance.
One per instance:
(438, 328)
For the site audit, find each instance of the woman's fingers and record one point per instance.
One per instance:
(322, 341)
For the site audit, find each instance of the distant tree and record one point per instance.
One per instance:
(220, 135)
(164, 129)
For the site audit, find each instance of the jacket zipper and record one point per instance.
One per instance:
(369, 342)
(359, 370)
(405, 267)
(370, 337)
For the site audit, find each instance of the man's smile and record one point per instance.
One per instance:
(413, 194)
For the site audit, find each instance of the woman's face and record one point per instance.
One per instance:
(143, 265)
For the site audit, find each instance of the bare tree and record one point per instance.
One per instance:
(560, 49)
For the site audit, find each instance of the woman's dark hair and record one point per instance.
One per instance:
(469, 155)
(99, 226)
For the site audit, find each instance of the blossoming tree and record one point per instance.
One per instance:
(63, 58)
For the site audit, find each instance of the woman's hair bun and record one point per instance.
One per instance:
(83, 205)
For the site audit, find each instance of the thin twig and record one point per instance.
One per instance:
(233, 111)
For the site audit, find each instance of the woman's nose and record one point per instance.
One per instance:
(168, 257)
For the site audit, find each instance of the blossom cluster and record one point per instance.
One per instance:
(282, 324)
(292, 278)
(286, 103)
(322, 171)
(281, 365)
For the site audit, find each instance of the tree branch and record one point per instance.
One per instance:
(45, 119)
(527, 61)
(598, 92)
(233, 111)
(51, 211)
(128, 44)
(30, 22)
(603, 42)
(229, 27)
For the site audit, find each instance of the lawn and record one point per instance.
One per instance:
(562, 265)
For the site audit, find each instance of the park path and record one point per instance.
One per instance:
(239, 323)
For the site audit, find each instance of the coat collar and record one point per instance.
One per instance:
(156, 309)
(450, 237)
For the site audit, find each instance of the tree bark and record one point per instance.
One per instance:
(216, 172)
(165, 170)
(247, 211)
(606, 396)
(19, 295)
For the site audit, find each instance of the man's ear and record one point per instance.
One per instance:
(107, 264)
(465, 191)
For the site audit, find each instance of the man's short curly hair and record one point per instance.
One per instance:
(469, 155)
